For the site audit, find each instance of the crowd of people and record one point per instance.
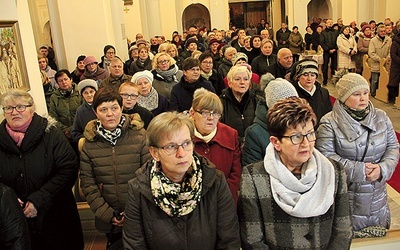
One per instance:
(206, 140)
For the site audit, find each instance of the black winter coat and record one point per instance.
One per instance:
(262, 62)
(394, 77)
(43, 171)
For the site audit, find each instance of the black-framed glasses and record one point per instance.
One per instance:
(299, 138)
(18, 108)
(126, 96)
(172, 148)
(206, 114)
(163, 61)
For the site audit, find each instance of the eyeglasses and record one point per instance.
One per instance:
(206, 62)
(18, 108)
(132, 96)
(299, 138)
(206, 114)
(163, 62)
(173, 147)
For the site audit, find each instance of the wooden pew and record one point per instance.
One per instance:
(382, 93)
(366, 69)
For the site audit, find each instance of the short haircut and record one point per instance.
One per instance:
(189, 63)
(155, 59)
(229, 50)
(236, 70)
(205, 55)
(116, 60)
(42, 56)
(267, 40)
(289, 113)
(165, 125)
(128, 84)
(206, 100)
(106, 95)
(13, 94)
(62, 72)
(143, 46)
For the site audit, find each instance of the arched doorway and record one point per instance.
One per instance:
(319, 8)
(196, 14)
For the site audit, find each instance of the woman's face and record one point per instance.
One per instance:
(18, 118)
(172, 52)
(109, 114)
(218, 36)
(346, 31)
(192, 47)
(193, 74)
(358, 100)
(266, 49)
(240, 83)
(135, 53)
(81, 65)
(110, 53)
(295, 30)
(174, 165)
(144, 86)
(256, 42)
(143, 54)
(206, 65)
(91, 67)
(64, 82)
(88, 94)
(229, 55)
(204, 124)
(247, 43)
(42, 63)
(293, 156)
(367, 32)
(307, 80)
(163, 62)
(309, 30)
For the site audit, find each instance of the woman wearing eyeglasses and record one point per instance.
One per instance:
(295, 198)
(166, 73)
(38, 163)
(112, 149)
(178, 199)
(215, 140)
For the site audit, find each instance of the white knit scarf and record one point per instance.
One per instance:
(150, 101)
(310, 196)
(206, 138)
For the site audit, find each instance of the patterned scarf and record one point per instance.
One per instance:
(168, 75)
(150, 101)
(177, 199)
(18, 133)
(357, 115)
(111, 136)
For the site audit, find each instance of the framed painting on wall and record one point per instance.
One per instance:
(13, 72)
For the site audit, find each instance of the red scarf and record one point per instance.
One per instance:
(18, 133)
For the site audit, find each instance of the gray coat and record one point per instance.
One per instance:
(343, 139)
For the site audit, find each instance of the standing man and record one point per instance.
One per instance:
(328, 43)
(282, 36)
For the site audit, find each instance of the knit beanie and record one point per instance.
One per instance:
(190, 40)
(80, 58)
(107, 47)
(87, 83)
(350, 83)
(89, 60)
(306, 66)
(141, 41)
(238, 56)
(145, 73)
(365, 27)
(213, 41)
(278, 89)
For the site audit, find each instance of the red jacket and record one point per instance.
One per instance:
(224, 151)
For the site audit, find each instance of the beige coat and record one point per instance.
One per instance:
(295, 42)
(344, 48)
(378, 49)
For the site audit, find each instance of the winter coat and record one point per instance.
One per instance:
(84, 114)
(216, 82)
(43, 171)
(182, 93)
(345, 46)
(328, 39)
(267, 226)
(99, 75)
(145, 115)
(343, 139)
(212, 224)
(163, 86)
(295, 43)
(224, 67)
(114, 83)
(362, 49)
(137, 66)
(316, 40)
(261, 62)
(14, 232)
(278, 71)
(238, 115)
(283, 36)
(378, 49)
(63, 108)
(224, 151)
(394, 74)
(320, 101)
(106, 170)
(256, 136)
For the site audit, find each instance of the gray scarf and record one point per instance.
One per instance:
(150, 101)
(168, 75)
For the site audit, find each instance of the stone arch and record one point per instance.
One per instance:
(319, 8)
(196, 14)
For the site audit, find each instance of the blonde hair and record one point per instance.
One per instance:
(13, 94)
(237, 69)
(267, 40)
(163, 46)
(204, 99)
(155, 59)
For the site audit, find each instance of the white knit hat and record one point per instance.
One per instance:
(87, 83)
(350, 83)
(145, 73)
(278, 89)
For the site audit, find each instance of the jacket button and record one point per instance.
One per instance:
(207, 151)
(180, 225)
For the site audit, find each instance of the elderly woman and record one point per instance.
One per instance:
(305, 75)
(266, 58)
(182, 93)
(173, 52)
(93, 71)
(362, 138)
(178, 198)
(347, 49)
(215, 140)
(149, 98)
(109, 54)
(40, 165)
(112, 149)
(165, 73)
(295, 198)
(143, 61)
(208, 73)
(238, 101)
